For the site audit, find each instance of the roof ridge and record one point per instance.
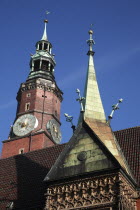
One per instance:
(127, 128)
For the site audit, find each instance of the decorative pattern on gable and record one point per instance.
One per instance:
(109, 191)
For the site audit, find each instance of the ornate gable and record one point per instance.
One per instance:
(83, 153)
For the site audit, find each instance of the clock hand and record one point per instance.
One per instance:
(23, 124)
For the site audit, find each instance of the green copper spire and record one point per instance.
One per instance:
(93, 105)
(93, 111)
(44, 37)
(42, 63)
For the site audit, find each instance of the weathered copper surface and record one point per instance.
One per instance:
(105, 134)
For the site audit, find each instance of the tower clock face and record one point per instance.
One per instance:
(54, 129)
(25, 124)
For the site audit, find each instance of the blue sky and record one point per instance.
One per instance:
(117, 54)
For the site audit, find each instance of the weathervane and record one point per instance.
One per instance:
(91, 26)
(80, 99)
(47, 12)
(114, 108)
(69, 119)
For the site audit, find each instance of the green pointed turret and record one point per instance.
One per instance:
(94, 114)
(44, 37)
(42, 63)
(93, 104)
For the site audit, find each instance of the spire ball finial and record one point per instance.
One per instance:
(46, 21)
(90, 32)
(90, 29)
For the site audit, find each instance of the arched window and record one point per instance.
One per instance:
(21, 151)
(45, 46)
(51, 68)
(40, 46)
(45, 65)
(27, 106)
(36, 65)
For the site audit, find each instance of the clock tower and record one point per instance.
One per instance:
(37, 122)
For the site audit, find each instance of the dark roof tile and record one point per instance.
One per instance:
(21, 177)
(129, 140)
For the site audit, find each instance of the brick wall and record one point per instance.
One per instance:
(30, 143)
(45, 105)
(41, 101)
(138, 204)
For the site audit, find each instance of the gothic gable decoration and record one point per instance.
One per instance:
(84, 153)
(109, 191)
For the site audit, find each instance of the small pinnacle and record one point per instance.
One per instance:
(114, 108)
(44, 37)
(69, 119)
(80, 99)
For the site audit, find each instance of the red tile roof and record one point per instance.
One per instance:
(21, 177)
(129, 140)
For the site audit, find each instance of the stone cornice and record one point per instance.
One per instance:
(28, 135)
(35, 85)
(95, 191)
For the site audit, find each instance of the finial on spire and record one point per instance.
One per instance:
(92, 106)
(69, 119)
(80, 99)
(90, 41)
(114, 108)
(44, 37)
(90, 30)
